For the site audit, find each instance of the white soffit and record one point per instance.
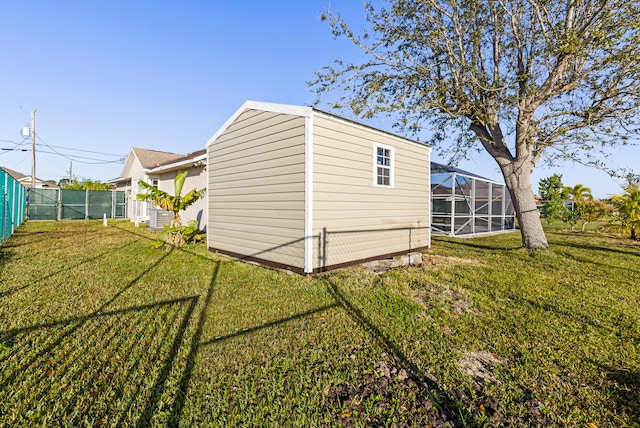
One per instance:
(178, 164)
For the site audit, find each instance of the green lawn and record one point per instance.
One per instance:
(99, 329)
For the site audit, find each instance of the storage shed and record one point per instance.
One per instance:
(300, 189)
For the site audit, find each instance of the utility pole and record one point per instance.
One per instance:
(33, 148)
(70, 172)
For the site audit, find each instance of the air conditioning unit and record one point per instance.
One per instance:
(158, 217)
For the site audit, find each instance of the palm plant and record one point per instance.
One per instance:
(626, 218)
(579, 193)
(581, 207)
(175, 233)
(175, 203)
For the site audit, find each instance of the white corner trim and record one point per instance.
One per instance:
(308, 194)
(207, 197)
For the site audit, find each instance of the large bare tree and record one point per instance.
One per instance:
(527, 80)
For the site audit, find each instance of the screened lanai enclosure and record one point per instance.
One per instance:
(465, 204)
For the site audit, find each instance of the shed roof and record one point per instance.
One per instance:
(303, 111)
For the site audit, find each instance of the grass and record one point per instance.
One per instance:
(99, 329)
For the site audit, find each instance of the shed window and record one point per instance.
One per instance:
(382, 165)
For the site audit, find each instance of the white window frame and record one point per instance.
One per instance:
(390, 167)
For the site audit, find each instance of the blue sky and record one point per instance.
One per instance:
(165, 75)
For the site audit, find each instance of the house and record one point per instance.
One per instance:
(27, 182)
(160, 168)
(300, 189)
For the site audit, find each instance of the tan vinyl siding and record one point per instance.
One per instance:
(363, 221)
(256, 188)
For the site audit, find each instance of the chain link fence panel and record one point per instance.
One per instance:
(348, 247)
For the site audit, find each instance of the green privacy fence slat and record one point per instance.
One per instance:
(43, 204)
(74, 204)
(13, 205)
(54, 204)
(100, 203)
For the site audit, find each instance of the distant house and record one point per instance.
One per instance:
(297, 188)
(159, 169)
(26, 181)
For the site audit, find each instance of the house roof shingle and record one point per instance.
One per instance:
(25, 180)
(15, 174)
(153, 158)
(186, 157)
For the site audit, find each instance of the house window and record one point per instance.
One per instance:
(154, 182)
(382, 165)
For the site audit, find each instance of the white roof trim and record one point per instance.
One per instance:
(129, 161)
(177, 164)
(119, 180)
(388, 134)
(258, 105)
(304, 112)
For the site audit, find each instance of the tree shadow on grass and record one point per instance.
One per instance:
(64, 269)
(46, 245)
(627, 250)
(599, 262)
(110, 364)
(8, 249)
(449, 406)
(6, 255)
(573, 317)
(196, 344)
(473, 243)
(43, 236)
(625, 388)
(187, 372)
(598, 255)
(74, 322)
(269, 324)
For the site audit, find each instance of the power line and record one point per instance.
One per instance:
(52, 161)
(6, 150)
(80, 150)
(75, 157)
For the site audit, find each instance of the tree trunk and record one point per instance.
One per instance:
(516, 171)
(518, 181)
(177, 221)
